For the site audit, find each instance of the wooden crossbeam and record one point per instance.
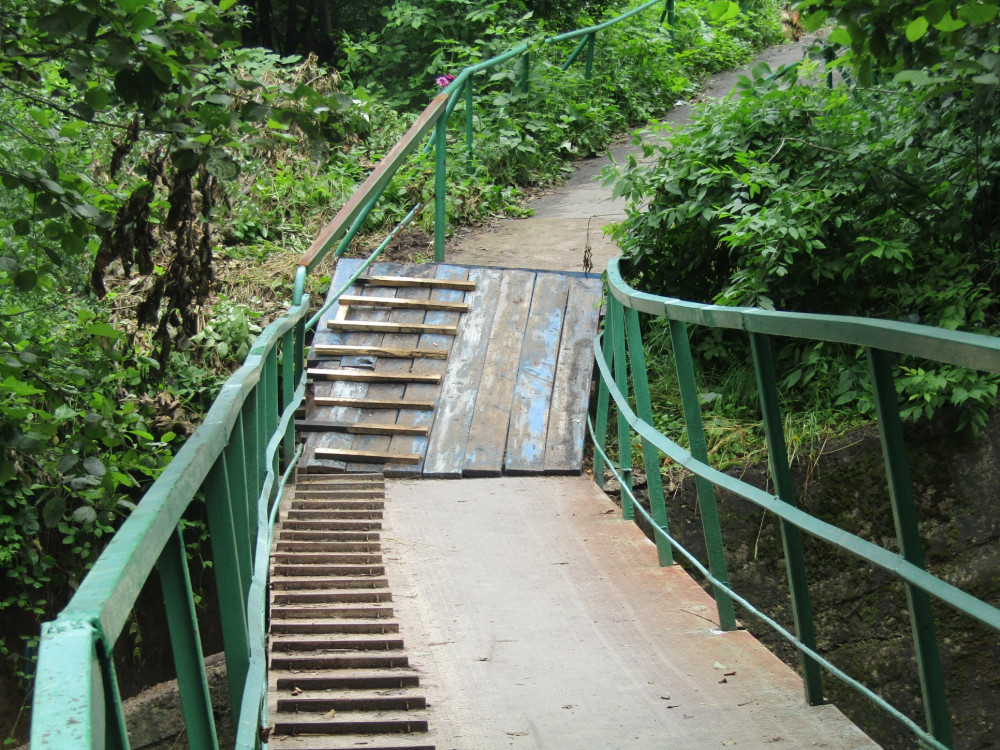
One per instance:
(403, 281)
(362, 300)
(373, 403)
(358, 428)
(361, 376)
(368, 457)
(343, 350)
(383, 327)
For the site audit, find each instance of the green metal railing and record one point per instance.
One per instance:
(621, 361)
(233, 461)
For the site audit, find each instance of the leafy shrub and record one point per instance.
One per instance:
(838, 201)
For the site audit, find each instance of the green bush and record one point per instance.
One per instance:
(844, 201)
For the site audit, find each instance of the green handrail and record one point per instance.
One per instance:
(232, 459)
(619, 358)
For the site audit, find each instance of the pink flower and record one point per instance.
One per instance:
(443, 81)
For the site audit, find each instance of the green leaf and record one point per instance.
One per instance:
(26, 280)
(723, 10)
(916, 29)
(102, 329)
(841, 36)
(93, 466)
(52, 511)
(131, 6)
(977, 14)
(225, 5)
(948, 24)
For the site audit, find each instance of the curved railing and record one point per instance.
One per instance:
(233, 460)
(621, 362)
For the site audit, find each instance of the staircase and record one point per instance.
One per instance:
(339, 674)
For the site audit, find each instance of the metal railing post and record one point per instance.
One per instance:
(525, 84)
(236, 477)
(603, 407)
(650, 454)
(791, 537)
(182, 623)
(226, 565)
(615, 312)
(904, 516)
(470, 96)
(589, 70)
(706, 490)
(440, 187)
(288, 392)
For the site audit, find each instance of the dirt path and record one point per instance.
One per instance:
(570, 217)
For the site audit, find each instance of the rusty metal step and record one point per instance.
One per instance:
(330, 596)
(357, 494)
(381, 722)
(334, 626)
(319, 569)
(317, 503)
(387, 660)
(322, 701)
(279, 583)
(299, 642)
(327, 558)
(351, 742)
(285, 545)
(315, 525)
(356, 611)
(346, 679)
(332, 514)
(292, 535)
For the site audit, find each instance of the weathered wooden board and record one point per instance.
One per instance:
(417, 391)
(404, 320)
(362, 376)
(373, 403)
(398, 281)
(378, 351)
(367, 457)
(447, 443)
(391, 326)
(357, 428)
(488, 433)
(364, 300)
(567, 432)
(536, 370)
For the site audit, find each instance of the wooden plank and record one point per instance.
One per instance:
(401, 281)
(453, 420)
(362, 376)
(419, 391)
(356, 428)
(345, 350)
(364, 300)
(372, 403)
(488, 434)
(367, 456)
(397, 339)
(571, 392)
(342, 389)
(536, 371)
(388, 327)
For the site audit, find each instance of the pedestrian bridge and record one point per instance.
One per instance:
(365, 602)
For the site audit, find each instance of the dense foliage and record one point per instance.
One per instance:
(869, 201)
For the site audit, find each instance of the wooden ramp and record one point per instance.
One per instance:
(448, 371)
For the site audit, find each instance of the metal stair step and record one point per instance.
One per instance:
(345, 679)
(343, 625)
(354, 492)
(327, 514)
(317, 546)
(352, 722)
(346, 503)
(298, 535)
(287, 583)
(353, 742)
(296, 642)
(317, 525)
(283, 569)
(330, 596)
(322, 701)
(314, 661)
(327, 558)
(356, 611)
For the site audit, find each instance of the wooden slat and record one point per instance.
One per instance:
(397, 339)
(361, 300)
(362, 376)
(367, 457)
(357, 428)
(374, 403)
(488, 433)
(400, 281)
(453, 420)
(529, 417)
(389, 327)
(571, 391)
(401, 444)
(345, 350)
